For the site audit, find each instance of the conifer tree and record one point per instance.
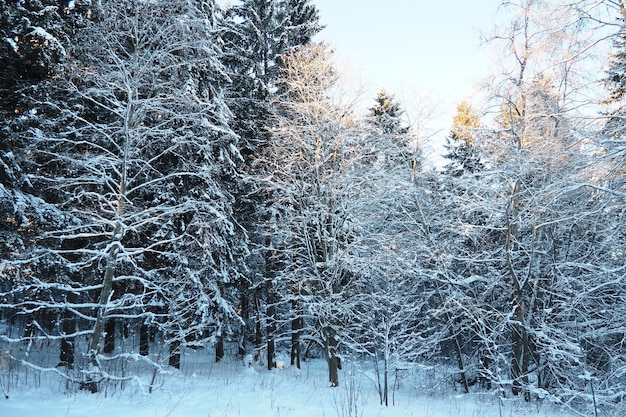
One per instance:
(257, 35)
(302, 23)
(136, 152)
(387, 130)
(386, 115)
(461, 144)
(614, 127)
(34, 37)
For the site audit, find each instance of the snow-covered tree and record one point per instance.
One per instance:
(257, 35)
(33, 45)
(303, 22)
(136, 151)
(386, 115)
(616, 79)
(613, 141)
(515, 216)
(385, 295)
(462, 144)
(34, 36)
(309, 219)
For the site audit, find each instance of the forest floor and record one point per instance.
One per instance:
(203, 388)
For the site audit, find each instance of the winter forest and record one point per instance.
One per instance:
(187, 177)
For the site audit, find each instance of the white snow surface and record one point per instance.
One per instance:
(206, 389)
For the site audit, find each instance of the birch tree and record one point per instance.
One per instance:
(534, 158)
(308, 171)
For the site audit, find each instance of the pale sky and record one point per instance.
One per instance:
(426, 52)
(413, 48)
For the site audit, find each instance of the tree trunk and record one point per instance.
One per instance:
(456, 344)
(144, 337)
(219, 348)
(270, 273)
(521, 355)
(105, 293)
(484, 376)
(386, 380)
(379, 387)
(245, 317)
(271, 332)
(258, 332)
(297, 323)
(519, 336)
(330, 341)
(109, 336)
(174, 356)
(68, 326)
(459, 361)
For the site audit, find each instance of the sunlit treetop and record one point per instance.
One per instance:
(386, 114)
(464, 122)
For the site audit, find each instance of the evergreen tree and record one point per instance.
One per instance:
(302, 22)
(614, 127)
(133, 147)
(34, 37)
(257, 34)
(386, 130)
(33, 41)
(461, 144)
(386, 115)
(615, 80)
(31, 48)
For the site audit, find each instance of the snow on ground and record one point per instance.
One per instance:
(228, 389)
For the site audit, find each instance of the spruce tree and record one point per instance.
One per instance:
(615, 80)
(133, 147)
(387, 130)
(302, 23)
(386, 115)
(257, 34)
(616, 72)
(34, 37)
(461, 143)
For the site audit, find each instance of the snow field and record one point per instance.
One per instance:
(203, 388)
